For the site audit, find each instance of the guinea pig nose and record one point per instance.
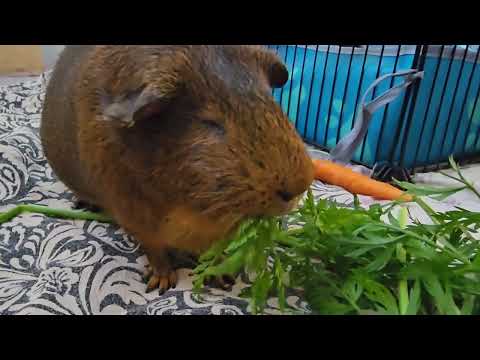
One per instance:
(285, 195)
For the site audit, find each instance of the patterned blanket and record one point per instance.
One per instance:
(52, 266)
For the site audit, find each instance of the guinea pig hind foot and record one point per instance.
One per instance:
(159, 273)
(162, 282)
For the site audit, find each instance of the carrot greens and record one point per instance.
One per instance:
(354, 261)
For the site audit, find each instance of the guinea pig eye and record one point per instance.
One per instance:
(213, 126)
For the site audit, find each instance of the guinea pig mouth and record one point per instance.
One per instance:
(281, 208)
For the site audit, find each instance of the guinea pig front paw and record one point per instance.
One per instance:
(162, 280)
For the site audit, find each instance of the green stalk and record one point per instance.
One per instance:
(340, 291)
(463, 181)
(428, 210)
(286, 241)
(403, 296)
(403, 299)
(453, 253)
(56, 213)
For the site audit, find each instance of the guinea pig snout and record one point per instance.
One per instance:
(294, 183)
(296, 188)
(286, 194)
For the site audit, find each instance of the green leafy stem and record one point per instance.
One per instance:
(55, 213)
(350, 261)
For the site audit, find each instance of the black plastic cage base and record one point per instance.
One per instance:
(387, 172)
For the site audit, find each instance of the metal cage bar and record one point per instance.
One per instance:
(403, 111)
(310, 91)
(374, 92)
(434, 117)
(413, 104)
(384, 119)
(467, 91)
(442, 97)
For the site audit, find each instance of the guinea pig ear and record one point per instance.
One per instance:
(135, 106)
(277, 74)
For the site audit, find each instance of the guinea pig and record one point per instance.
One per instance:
(177, 143)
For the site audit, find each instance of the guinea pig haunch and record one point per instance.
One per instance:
(178, 144)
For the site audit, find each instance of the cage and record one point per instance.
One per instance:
(434, 118)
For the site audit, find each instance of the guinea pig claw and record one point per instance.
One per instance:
(147, 273)
(153, 283)
(172, 277)
(162, 282)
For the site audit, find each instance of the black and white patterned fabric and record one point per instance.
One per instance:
(53, 266)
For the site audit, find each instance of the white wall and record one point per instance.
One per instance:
(50, 54)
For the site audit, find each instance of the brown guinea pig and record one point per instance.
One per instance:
(178, 144)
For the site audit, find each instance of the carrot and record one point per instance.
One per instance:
(356, 183)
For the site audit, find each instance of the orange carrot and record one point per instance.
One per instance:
(356, 183)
